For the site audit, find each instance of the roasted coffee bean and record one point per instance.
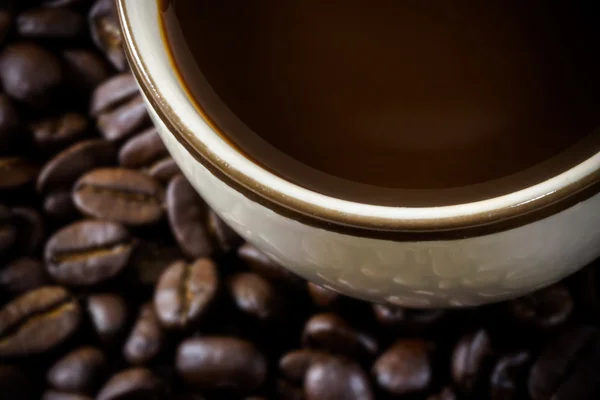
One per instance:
(108, 314)
(14, 384)
(164, 170)
(124, 121)
(84, 69)
(9, 123)
(8, 232)
(470, 360)
(547, 308)
(405, 368)
(142, 150)
(50, 23)
(88, 252)
(334, 378)
(113, 93)
(445, 394)
(256, 297)
(260, 263)
(324, 297)
(58, 132)
(23, 275)
(151, 260)
(330, 332)
(30, 230)
(569, 360)
(50, 310)
(80, 371)
(293, 365)
(121, 195)
(16, 172)
(221, 363)
(187, 214)
(64, 169)
(56, 395)
(60, 205)
(407, 319)
(134, 383)
(285, 391)
(185, 293)
(29, 73)
(508, 376)
(146, 339)
(225, 237)
(106, 33)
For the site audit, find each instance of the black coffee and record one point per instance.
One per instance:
(396, 102)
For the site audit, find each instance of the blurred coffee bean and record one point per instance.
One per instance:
(331, 333)
(334, 378)
(8, 232)
(142, 150)
(151, 260)
(56, 395)
(164, 170)
(406, 319)
(187, 214)
(57, 132)
(124, 121)
(134, 383)
(9, 123)
(567, 366)
(256, 297)
(225, 237)
(260, 263)
(29, 73)
(471, 360)
(324, 297)
(80, 371)
(221, 363)
(88, 252)
(64, 169)
(293, 365)
(121, 195)
(405, 368)
(113, 92)
(14, 383)
(547, 308)
(50, 310)
(84, 69)
(146, 338)
(185, 293)
(50, 23)
(23, 275)
(6, 19)
(285, 391)
(16, 172)
(106, 33)
(108, 314)
(445, 394)
(509, 376)
(59, 205)
(30, 230)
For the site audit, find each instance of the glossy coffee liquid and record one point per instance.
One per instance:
(396, 102)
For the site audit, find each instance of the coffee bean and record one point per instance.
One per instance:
(106, 33)
(9, 123)
(88, 252)
(124, 121)
(146, 339)
(226, 238)
(60, 205)
(84, 69)
(260, 263)
(30, 230)
(187, 214)
(445, 394)
(185, 293)
(134, 383)
(405, 319)
(293, 365)
(330, 332)
(16, 172)
(56, 395)
(324, 297)
(547, 308)
(256, 297)
(8, 232)
(29, 73)
(50, 23)
(151, 260)
(405, 368)
(509, 376)
(164, 170)
(121, 195)
(112, 93)
(50, 310)
(14, 384)
(142, 150)
(108, 314)
(285, 391)
(80, 371)
(64, 169)
(23, 275)
(57, 132)
(334, 378)
(470, 360)
(221, 363)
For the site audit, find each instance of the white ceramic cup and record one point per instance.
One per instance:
(456, 255)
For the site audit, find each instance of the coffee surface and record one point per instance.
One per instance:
(395, 102)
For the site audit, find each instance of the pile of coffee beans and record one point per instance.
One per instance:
(118, 282)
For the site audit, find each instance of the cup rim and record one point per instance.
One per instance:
(424, 223)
